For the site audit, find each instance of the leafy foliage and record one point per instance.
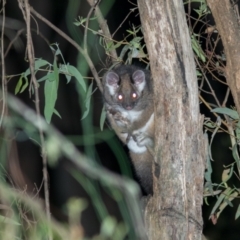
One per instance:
(51, 79)
(222, 117)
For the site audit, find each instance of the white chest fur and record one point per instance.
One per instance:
(132, 115)
(140, 139)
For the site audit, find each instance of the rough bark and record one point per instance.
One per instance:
(174, 212)
(228, 28)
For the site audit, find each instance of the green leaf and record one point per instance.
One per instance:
(38, 64)
(57, 113)
(19, 88)
(64, 70)
(238, 130)
(235, 155)
(227, 201)
(77, 23)
(58, 52)
(231, 113)
(114, 46)
(237, 213)
(19, 85)
(227, 174)
(124, 51)
(43, 78)
(102, 118)
(219, 201)
(218, 124)
(53, 149)
(50, 92)
(209, 124)
(131, 32)
(108, 226)
(208, 172)
(197, 48)
(199, 74)
(109, 45)
(55, 71)
(25, 85)
(82, 20)
(73, 71)
(9, 221)
(87, 101)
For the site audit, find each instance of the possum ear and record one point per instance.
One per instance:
(112, 80)
(139, 79)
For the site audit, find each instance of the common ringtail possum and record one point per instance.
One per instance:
(128, 99)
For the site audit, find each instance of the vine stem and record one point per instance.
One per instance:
(25, 8)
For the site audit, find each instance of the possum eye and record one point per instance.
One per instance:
(120, 97)
(134, 95)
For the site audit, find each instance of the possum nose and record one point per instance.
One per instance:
(128, 106)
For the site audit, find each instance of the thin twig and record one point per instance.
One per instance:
(230, 126)
(3, 66)
(104, 27)
(226, 97)
(19, 32)
(31, 59)
(206, 79)
(124, 20)
(30, 50)
(215, 114)
(86, 28)
(66, 37)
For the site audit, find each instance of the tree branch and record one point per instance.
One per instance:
(175, 209)
(227, 26)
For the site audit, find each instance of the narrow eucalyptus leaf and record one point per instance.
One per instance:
(235, 155)
(231, 113)
(8, 221)
(238, 131)
(87, 101)
(102, 118)
(237, 212)
(231, 195)
(73, 71)
(19, 85)
(40, 63)
(37, 65)
(218, 124)
(57, 113)
(50, 93)
(25, 84)
(219, 201)
(124, 51)
(58, 52)
(43, 78)
(226, 175)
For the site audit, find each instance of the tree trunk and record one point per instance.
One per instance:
(174, 211)
(228, 28)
